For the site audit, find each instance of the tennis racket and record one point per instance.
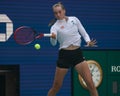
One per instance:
(25, 35)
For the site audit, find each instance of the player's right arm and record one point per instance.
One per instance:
(53, 38)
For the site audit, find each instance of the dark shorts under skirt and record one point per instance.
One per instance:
(69, 58)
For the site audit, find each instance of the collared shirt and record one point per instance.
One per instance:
(68, 32)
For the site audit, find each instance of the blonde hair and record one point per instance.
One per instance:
(56, 5)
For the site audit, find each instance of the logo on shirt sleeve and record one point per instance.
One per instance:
(72, 22)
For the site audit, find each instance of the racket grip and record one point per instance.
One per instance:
(47, 35)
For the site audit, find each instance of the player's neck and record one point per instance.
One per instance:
(65, 18)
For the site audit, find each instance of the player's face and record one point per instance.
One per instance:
(59, 12)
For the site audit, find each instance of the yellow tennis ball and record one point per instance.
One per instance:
(37, 46)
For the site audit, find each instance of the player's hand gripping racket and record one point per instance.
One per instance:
(25, 35)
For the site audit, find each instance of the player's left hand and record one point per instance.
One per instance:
(92, 43)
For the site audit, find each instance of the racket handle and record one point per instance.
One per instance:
(47, 35)
(43, 35)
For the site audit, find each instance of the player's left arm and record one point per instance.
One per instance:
(85, 34)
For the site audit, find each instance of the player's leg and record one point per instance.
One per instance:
(83, 69)
(58, 80)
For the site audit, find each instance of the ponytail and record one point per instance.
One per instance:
(52, 22)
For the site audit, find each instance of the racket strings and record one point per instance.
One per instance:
(24, 35)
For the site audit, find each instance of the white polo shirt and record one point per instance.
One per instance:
(68, 32)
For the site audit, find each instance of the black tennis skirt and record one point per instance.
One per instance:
(69, 58)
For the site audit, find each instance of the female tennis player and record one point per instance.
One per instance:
(67, 30)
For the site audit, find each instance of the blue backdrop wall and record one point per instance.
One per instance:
(101, 20)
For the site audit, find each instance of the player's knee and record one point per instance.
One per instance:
(90, 86)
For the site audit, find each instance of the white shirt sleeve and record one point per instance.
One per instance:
(53, 41)
(82, 30)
